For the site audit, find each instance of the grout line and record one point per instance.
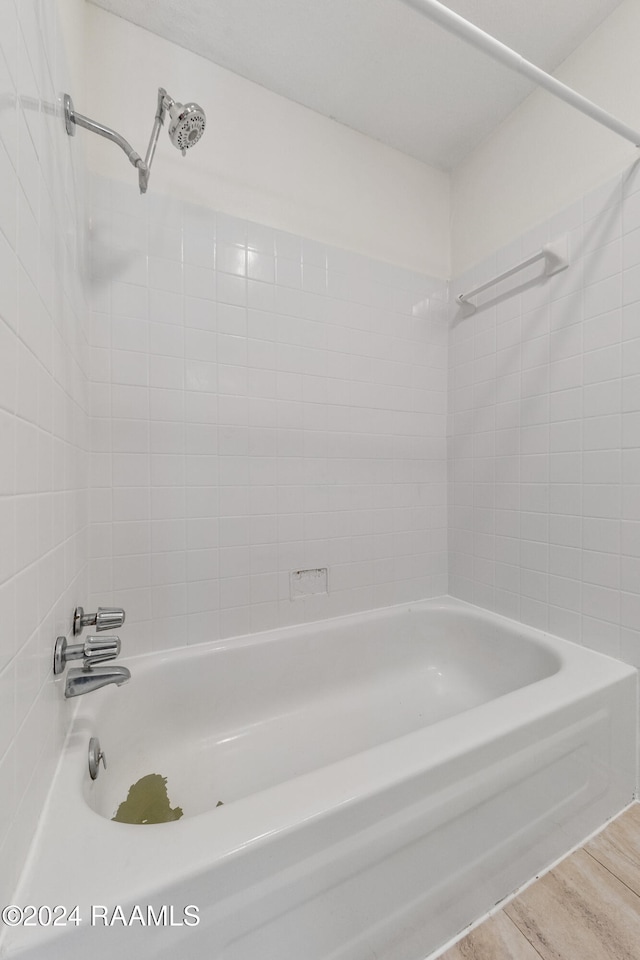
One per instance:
(523, 935)
(612, 873)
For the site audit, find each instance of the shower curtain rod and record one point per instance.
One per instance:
(499, 51)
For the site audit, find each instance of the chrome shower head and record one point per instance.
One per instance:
(186, 125)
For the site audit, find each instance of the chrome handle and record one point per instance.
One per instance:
(99, 649)
(93, 650)
(105, 618)
(109, 618)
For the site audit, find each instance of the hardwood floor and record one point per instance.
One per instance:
(586, 908)
(496, 939)
(618, 848)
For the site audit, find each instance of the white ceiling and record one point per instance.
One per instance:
(377, 65)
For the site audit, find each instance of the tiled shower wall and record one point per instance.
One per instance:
(544, 406)
(43, 419)
(261, 404)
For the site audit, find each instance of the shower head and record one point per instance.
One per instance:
(186, 125)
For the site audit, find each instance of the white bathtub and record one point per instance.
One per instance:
(386, 779)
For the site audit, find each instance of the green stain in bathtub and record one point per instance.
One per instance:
(148, 802)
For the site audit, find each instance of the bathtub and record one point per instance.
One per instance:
(386, 778)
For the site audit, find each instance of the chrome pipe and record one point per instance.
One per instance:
(73, 119)
(459, 27)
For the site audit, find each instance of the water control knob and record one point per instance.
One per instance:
(93, 650)
(100, 649)
(105, 618)
(109, 618)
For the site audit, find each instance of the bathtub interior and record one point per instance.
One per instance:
(227, 720)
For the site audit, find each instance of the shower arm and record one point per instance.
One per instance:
(73, 119)
(164, 102)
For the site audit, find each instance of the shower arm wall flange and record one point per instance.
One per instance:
(73, 119)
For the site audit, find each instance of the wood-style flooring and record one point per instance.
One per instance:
(586, 908)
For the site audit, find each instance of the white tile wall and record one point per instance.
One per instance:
(261, 403)
(544, 428)
(43, 414)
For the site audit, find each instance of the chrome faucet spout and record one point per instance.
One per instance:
(92, 678)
